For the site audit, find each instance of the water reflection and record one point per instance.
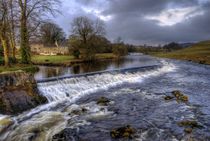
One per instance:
(136, 60)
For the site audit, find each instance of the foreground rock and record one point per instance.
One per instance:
(67, 134)
(18, 92)
(103, 101)
(123, 132)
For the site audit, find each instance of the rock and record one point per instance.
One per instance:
(79, 111)
(189, 123)
(180, 97)
(123, 132)
(103, 101)
(18, 93)
(202, 62)
(188, 130)
(5, 123)
(168, 97)
(66, 135)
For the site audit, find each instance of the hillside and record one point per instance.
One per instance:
(199, 52)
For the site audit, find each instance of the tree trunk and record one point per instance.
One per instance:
(12, 45)
(24, 41)
(6, 52)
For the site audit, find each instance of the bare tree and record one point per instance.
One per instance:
(4, 30)
(32, 10)
(13, 8)
(85, 30)
(51, 34)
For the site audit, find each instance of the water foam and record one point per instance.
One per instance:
(74, 88)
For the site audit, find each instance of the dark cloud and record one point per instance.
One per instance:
(127, 18)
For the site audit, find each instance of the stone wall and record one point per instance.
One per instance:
(18, 92)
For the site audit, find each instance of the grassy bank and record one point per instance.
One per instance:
(199, 52)
(26, 68)
(66, 59)
(60, 60)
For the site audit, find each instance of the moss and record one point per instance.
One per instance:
(123, 132)
(103, 101)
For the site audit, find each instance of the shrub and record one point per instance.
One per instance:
(119, 50)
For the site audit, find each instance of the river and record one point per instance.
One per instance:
(136, 87)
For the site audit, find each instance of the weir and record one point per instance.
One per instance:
(123, 70)
(74, 87)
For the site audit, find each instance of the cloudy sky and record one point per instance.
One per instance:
(143, 21)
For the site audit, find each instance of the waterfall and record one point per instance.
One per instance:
(75, 87)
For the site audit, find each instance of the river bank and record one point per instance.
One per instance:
(199, 53)
(18, 92)
(67, 60)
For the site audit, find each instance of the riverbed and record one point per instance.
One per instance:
(136, 87)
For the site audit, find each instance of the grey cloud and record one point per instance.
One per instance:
(128, 20)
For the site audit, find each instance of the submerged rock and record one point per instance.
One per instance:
(103, 101)
(168, 97)
(18, 93)
(123, 132)
(180, 97)
(188, 130)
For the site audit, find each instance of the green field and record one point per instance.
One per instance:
(199, 52)
(37, 59)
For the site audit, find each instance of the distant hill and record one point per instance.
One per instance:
(199, 52)
(184, 45)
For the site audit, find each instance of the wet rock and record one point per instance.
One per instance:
(18, 93)
(168, 97)
(103, 101)
(180, 97)
(66, 135)
(189, 123)
(188, 130)
(79, 111)
(202, 62)
(5, 123)
(123, 132)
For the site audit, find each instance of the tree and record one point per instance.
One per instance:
(119, 50)
(12, 23)
(4, 28)
(85, 30)
(33, 10)
(74, 46)
(51, 34)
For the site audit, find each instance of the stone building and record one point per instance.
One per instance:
(42, 50)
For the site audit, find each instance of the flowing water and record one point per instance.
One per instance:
(137, 99)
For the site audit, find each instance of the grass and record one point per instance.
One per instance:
(199, 52)
(57, 59)
(52, 59)
(26, 68)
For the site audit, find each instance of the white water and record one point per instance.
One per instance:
(73, 88)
